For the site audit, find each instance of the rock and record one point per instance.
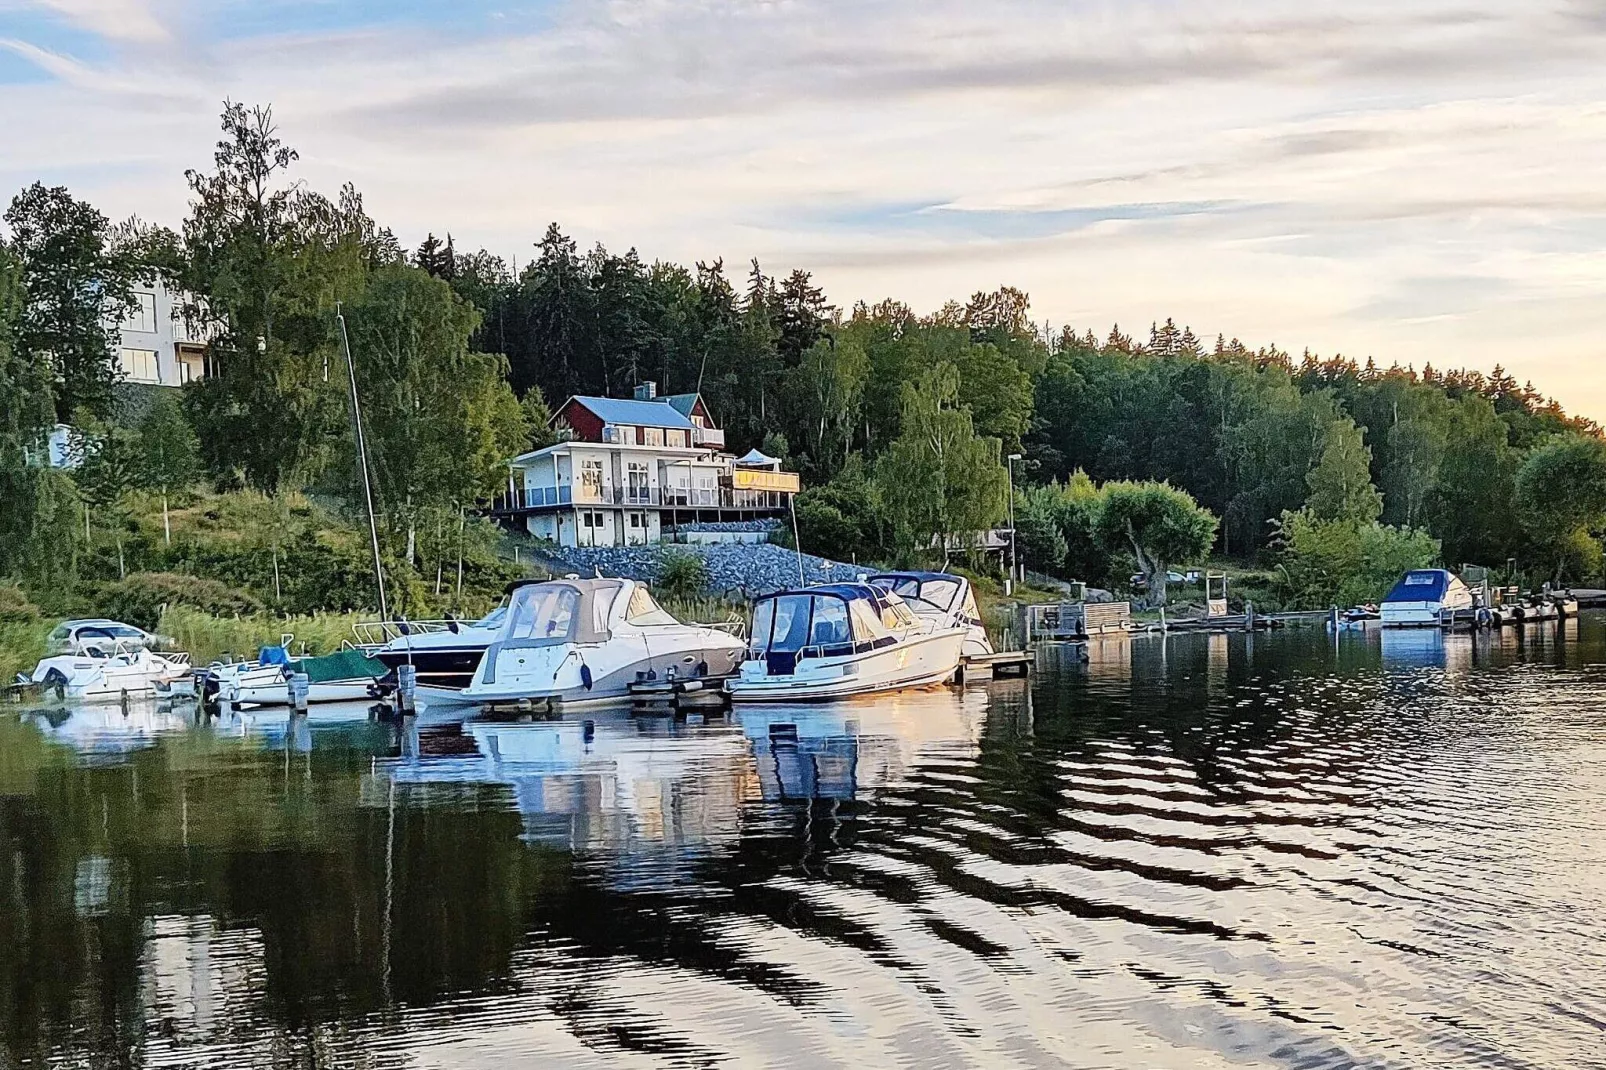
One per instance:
(740, 570)
(1094, 594)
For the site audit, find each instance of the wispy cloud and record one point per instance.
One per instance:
(121, 20)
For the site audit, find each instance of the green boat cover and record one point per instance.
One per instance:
(342, 665)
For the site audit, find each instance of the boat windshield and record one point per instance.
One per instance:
(935, 592)
(542, 612)
(493, 619)
(826, 623)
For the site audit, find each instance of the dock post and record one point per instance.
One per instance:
(1332, 620)
(298, 686)
(1249, 616)
(406, 690)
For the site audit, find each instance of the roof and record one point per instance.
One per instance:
(682, 403)
(629, 411)
(1422, 585)
(847, 591)
(753, 459)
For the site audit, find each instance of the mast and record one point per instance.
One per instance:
(362, 463)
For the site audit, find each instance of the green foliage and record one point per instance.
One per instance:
(682, 575)
(538, 429)
(1346, 562)
(840, 520)
(1040, 539)
(1162, 526)
(208, 638)
(940, 479)
(78, 287)
(170, 458)
(26, 414)
(1341, 483)
(15, 606)
(139, 599)
(1561, 497)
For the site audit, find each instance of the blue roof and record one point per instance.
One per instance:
(630, 411)
(681, 403)
(920, 577)
(1421, 585)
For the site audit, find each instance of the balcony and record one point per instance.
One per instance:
(584, 495)
(532, 499)
(712, 437)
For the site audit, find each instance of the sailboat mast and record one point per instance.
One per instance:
(362, 462)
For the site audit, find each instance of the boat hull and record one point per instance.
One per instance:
(450, 669)
(921, 661)
(558, 674)
(86, 679)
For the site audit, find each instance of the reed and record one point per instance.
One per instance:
(209, 638)
(22, 644)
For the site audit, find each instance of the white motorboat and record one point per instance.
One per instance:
(344, 676)
(119, 670)
(943, 598)
(1422, 596)
(839, 640)
(444, 654)
(584, 642)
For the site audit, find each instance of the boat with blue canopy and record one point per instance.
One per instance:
(1422, 596)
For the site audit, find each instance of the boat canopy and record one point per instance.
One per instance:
(1423, 585)
(943, 590)
(833, 620)
(560, 611)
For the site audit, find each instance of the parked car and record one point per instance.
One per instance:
(98, 636)
(1140, 582)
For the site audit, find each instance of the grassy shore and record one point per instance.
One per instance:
(209, 638)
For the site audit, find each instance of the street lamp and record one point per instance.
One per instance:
(1014, 555)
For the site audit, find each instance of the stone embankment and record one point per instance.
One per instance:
(735, 570)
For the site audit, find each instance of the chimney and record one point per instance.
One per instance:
(647, 391)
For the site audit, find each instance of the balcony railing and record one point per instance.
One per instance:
(712, 437)
(531, 498)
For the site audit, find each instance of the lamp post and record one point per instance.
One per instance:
(1014, 555)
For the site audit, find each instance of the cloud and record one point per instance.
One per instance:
(1420, 182)
(121, 20)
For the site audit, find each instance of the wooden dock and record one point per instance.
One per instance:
(981, 667)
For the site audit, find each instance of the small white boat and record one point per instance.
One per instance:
(1421, 596)
(344, 676)
(585, 642)
(943, 598)
(839, 640)
(118, 671)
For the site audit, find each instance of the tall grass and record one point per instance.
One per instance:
(209, 638)
(22, 644)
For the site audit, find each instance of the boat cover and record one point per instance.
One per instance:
(1422, 585)
(341, 665)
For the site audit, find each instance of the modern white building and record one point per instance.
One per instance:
(635, 469)
(154, 347)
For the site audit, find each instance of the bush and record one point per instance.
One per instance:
(1345, 562)
(682, 576)
(15, 606)
(139, 599)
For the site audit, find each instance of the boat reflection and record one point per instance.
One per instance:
(101, 731)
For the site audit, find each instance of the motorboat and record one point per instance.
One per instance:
(444, 654)
(577, 642)
(945, 599)
(344, 676)
(117, 671)
(1422, 597)
(843, 639)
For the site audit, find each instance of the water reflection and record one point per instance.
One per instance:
(1295, 849)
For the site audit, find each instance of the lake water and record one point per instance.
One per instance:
(1207, 851)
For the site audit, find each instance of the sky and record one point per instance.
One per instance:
(1419, 183)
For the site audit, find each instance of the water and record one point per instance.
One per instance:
(1217, 851)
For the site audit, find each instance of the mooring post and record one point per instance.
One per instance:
(299, 685)
(406, 690)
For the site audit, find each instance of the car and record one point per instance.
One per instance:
(98, 636)
(1140, 581)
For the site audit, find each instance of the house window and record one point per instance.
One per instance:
(139, 365)
(591, 518)
(675, 438)
(591, 476)
(655, 436)
(142, 316)
(636, 485)
(637, 520)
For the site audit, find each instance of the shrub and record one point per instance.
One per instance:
(1345, 562)
(139, 599)
(682, 576)
(15, 606)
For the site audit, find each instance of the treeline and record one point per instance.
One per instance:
(902, 423)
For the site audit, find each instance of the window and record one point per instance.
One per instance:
(139, 365)
(675, 438)
(791, 623)
(591, 518)
(655, 436)
(591, 476)
(830, 630)
(637, 520)
(142, 315)
(636, 487)
(542, 612)
(644, 611)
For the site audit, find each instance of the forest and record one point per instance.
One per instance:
(910, 428)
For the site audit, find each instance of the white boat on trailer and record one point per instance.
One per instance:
(578, 643)
(840, 640)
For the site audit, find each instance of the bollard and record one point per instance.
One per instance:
(298, 685)
(406, 690)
